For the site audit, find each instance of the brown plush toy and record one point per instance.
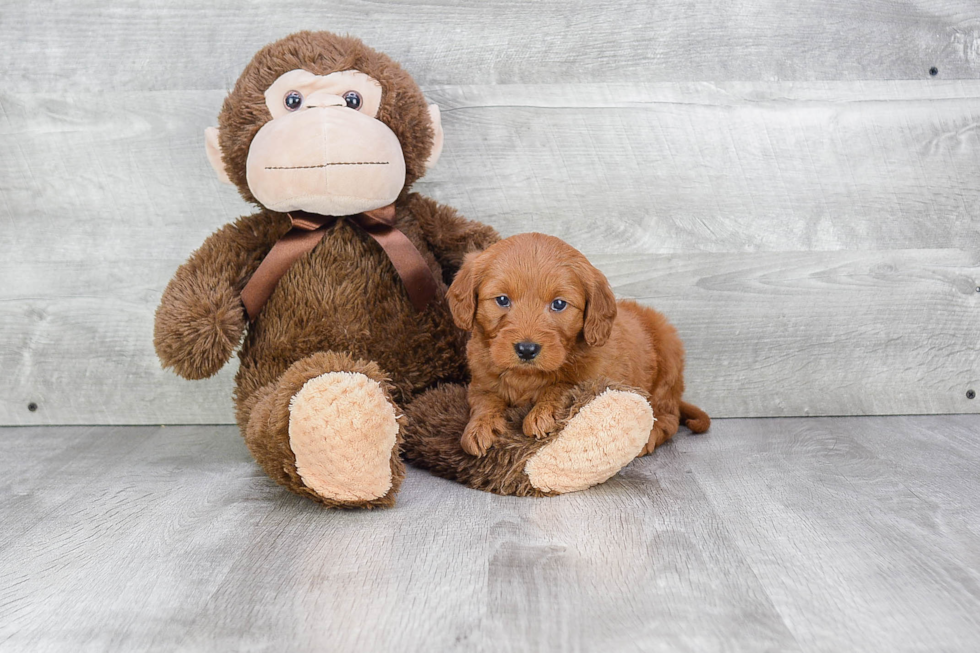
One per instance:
(350, 356)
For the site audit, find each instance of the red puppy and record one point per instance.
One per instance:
(543, 320)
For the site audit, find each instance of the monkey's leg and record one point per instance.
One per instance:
(328, 429)
(601, 429)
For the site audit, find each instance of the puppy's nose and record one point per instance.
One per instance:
(527, 350)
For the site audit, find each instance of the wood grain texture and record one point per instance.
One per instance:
(129, 45)
(102, 203)
(855, 512)
(812, 535)
(78, 344)
(696, 195)
(818, 333)
(610, 168)
(718, 167)
(51, 466)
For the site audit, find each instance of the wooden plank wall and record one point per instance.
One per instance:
(788, 183)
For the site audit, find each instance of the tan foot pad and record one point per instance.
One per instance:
(342, 430)
(601, 439)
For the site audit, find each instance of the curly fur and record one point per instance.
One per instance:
(341, 307)
(592, 337)
(435, 422)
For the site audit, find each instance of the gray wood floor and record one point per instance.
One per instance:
(819, 534)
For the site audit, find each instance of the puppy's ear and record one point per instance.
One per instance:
(600, 308)
(462, 293)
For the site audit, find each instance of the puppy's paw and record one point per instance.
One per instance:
(540, 422)
(658, 435)
(479, 435)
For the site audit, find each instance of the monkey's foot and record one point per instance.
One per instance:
(602, 438)
(327, 429)
(343, 430)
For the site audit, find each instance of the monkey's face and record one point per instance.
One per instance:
(324, 150)
(321, 123)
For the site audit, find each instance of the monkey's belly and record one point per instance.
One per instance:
(345, 296)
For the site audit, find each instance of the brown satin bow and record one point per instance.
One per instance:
(310, 228)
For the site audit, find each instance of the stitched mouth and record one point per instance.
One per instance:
(325, 165)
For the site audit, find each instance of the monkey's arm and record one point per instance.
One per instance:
(450, 235)
(201, 319)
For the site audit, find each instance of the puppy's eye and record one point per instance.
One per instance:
(503, 301)
(558, 305)
(293, 100)
(353, 99)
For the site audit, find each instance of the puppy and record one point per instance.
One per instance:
(543, 320)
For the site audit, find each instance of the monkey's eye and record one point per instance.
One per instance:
(293, 100)
(503, 301)
(558, 305)
(353, 99)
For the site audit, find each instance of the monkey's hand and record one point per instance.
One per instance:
(201, 318)
(199, 323)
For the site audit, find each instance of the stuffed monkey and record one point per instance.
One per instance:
(334, 291)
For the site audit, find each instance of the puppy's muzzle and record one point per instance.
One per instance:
(527, 351)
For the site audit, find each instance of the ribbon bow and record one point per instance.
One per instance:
(310, 228)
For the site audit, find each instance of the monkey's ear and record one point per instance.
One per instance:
(462, 293)
(213, 148)
(600, 309)
(436, 117)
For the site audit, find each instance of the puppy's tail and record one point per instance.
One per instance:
(694, 418)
